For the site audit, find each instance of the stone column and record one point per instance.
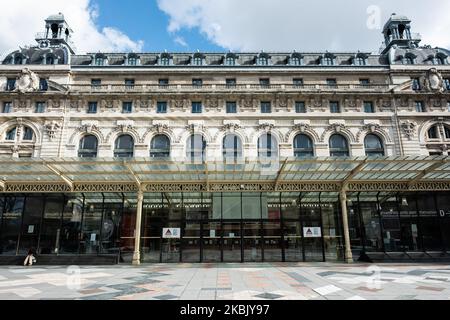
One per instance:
(348, 249)
(137, 233)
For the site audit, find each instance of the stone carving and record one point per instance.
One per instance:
(408, 128)
(193, 128)
(267, 127)
(434, 81)
(302, 127)
(88, 128)
(231, 127)
(160, 128)
(27, 82)
(51, 128)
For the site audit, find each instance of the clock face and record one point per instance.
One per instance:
(44, 44)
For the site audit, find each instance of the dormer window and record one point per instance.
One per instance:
(263, 60)
(164, 60)
(49, 60)
(197, 60)
(440, 59)
(409, 59)
(296, 60)
(360, 60)
(132, 61)
(328, 60)
(230, 60)
(18, 60)
(99, 61)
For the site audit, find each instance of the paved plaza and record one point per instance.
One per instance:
(299, 281)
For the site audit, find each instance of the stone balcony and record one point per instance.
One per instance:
(224, 88)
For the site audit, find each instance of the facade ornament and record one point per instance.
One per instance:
(51, 128)
(28, 81)
(124, 128)
(302, 127)
(336, 127)
(15, 149)
(160, 128)
(231, 127)
(408, 128)
(267, 127)
(88, 128)
(434, 81)
(372, 127)
(195, 127)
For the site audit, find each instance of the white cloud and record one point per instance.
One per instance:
(304, 25)
(180, 40)
(20, 20)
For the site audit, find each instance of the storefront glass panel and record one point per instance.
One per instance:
(443, 206)
(252, 241)
(231, 241)
(71, 225)
(92, 224)
(49, 240)
(31, 224)
(11, 224)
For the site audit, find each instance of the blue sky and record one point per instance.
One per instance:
(143, 20)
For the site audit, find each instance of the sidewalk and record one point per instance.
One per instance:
(272, 281)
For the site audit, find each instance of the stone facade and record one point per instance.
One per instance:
(68, 89)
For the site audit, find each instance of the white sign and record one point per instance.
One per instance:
(93, 237)
(312, 232)
(171, 233)
(30, 229)
(212, 233)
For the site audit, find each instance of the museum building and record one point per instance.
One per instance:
(225, 157)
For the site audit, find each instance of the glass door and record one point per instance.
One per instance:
(252, 241)
(31, 224)
(171, 248)
(232, 241)
(312, 233)
(272, 241)
(212, 244)
(49, 241)
(90, 238)
(191, 248)
(293, 236)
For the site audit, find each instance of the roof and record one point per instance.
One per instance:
(286, 175)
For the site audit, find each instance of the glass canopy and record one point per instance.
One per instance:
(73, 171)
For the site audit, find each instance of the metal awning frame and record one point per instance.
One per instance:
(417, 173)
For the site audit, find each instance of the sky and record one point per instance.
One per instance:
(223, 25)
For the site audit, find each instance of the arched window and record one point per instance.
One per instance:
(49, 60)
(433, 133)
(267, 146)
(339, 146)
(196, 147)
(11, 134)
(99, 60)
(124, 147)
(160, 147)
(132, 61)
(328, 60)
(296, 60)
(360, 61)
(263, 60)
(230, 61)
(409, 60)
(18, 60)
(447, 132)
(198, 60)
(373, 146)
(164, 61)
(232, 147)
(88, 147)
(303, 147)
(28, 134)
